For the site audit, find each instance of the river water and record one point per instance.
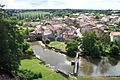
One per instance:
(106, 66)
(55, 59)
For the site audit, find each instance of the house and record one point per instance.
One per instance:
(69, 20)
(69, 33)
(114, 36)
(54, 21)
(86, 27)
(99, 29)
(47, 35)
(32, 36)
(50, 32)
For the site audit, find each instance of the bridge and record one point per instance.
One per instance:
(76, 65)
(77, 62)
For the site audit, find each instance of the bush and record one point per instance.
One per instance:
(29, 51)
(72, 47)
(114, 50)
(37, 75)
(25, 46)
(28, 75)
(47, 41)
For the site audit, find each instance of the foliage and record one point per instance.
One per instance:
(61, 14)
(34, 66)
(46, 24)
(29, 51)
(11, 39)
(28, 75)
(89, 45)
(72, 47)
(47, 41)
(31, 15)
(1, 11)
(104, 43)
(58, 45)
(11, 44)
(28, 30)
(25, 46)
(114, 49)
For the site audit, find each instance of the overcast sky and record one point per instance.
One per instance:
(61, 4)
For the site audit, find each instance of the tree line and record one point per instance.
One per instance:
(93, 46)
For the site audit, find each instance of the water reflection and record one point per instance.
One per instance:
(86, 67)
(106, 66)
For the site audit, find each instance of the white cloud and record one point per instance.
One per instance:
(94, 4)
(60, 4)
(15, 4)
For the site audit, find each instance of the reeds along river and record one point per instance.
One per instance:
(106, 66)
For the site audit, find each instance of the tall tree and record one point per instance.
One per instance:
(11, 39)
(89, 41)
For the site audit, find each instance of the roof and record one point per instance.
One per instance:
(115, 33)
(88, 24)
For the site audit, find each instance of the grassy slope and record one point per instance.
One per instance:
(34, 66)
(58, 45)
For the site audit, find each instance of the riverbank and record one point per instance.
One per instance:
(53, 47)
(89, 66)
(58, 45)
(35, 66)
(54, 60)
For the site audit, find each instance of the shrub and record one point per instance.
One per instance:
(114, 49)
(37, 75)
(47, 41)
(28, 75)
(72, 47)
(25, 46)
(29, 51)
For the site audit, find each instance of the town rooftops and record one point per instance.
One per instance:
(115, 33)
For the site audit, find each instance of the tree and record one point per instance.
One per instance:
(11, 39)
(89, 45)
(114, 50)
(72, 47)
(105, 42)
(1, 11)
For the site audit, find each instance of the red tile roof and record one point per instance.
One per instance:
(115, 33)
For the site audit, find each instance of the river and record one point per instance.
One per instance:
(55, 59)
(106, 66)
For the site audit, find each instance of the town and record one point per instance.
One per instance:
(59, 44)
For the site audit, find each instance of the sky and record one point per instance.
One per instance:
(61, 4)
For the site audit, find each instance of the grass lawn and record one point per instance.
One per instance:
(33, 65)
(58, 45)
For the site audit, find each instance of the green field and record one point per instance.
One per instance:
(33, 65)
(32, 15)
(58, 45)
